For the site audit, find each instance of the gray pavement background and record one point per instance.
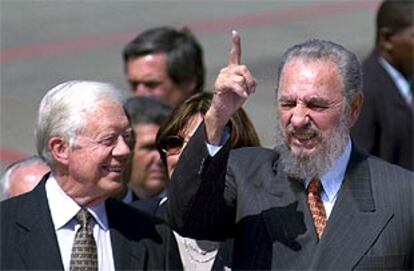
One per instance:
(44, 43)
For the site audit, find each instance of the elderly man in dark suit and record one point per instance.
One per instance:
(66, 222)
(316, 201)
(386, 125)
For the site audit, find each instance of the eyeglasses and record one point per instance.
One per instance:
(172, 145)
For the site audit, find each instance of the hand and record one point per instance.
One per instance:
(233, 86)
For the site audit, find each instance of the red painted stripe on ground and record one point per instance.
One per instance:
(275, 17)
(8, 156)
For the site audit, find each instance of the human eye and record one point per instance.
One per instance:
(152, 84)
(317, 105)
(133, 84)
(287, 103)
(108, 140)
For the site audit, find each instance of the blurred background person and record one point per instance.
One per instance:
(165, 63)
(145, 174)
(386, 125)
(23, 175)
(171, 140)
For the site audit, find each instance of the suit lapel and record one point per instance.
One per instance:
(126, 255)
(37, 241)
(354, 223)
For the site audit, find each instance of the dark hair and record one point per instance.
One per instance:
(143, 110)
(184, 53)
(243, 132)
(395, 15)
(146, 110)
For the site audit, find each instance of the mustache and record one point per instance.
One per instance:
(307, 131)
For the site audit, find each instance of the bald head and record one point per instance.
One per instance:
(23, 175)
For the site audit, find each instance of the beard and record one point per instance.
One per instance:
(301, 166)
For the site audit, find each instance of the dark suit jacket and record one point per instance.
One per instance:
(28, 238)
(385, 127)
(153, 206)
(245, 194)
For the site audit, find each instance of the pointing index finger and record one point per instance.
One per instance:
(235, 53)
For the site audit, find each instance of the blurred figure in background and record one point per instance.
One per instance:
(145, 174)
(165, 63)
(386, 125)
(171, 140)
(23, 175)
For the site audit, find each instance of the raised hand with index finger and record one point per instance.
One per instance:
(233, 86)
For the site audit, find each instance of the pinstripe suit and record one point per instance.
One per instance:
(246, 195)
(28, 239)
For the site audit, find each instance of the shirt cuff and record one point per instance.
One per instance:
(213, 149)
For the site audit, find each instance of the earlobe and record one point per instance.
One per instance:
(356, 106)
(59, 149)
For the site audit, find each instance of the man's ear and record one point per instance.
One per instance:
(59, 149)
(356, 106)
(385, 42)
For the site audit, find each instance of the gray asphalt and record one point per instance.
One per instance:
(44, 43)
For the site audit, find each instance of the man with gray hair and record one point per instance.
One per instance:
(314, 202)
(23, 175)
(68, 222)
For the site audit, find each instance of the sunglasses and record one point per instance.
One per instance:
(172, 145)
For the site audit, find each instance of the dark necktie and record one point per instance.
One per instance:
(84, 256)
(316, 206)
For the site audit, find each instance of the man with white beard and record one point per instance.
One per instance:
(314, 202)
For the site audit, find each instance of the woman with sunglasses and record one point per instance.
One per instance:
(172, 138)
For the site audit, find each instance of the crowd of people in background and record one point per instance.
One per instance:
(175, 178)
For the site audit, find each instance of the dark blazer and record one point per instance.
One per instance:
(153, 206)
(28, 238)
(385, 127)
(246, 195)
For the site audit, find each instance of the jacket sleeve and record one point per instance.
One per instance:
(201, 201)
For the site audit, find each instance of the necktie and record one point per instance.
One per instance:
(84, 256)
(316, 206)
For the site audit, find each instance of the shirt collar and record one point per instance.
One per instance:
(333, 178)
(63, 208)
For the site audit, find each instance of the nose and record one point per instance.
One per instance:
(141, 90)
(122, 148)
(156, 157)
(300, 117)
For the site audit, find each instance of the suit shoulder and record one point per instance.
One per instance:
(14, 204)
(248, 157)
(384, 170)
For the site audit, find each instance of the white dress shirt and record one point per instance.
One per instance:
(63, 209)
(331, 180)
(399, 80)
